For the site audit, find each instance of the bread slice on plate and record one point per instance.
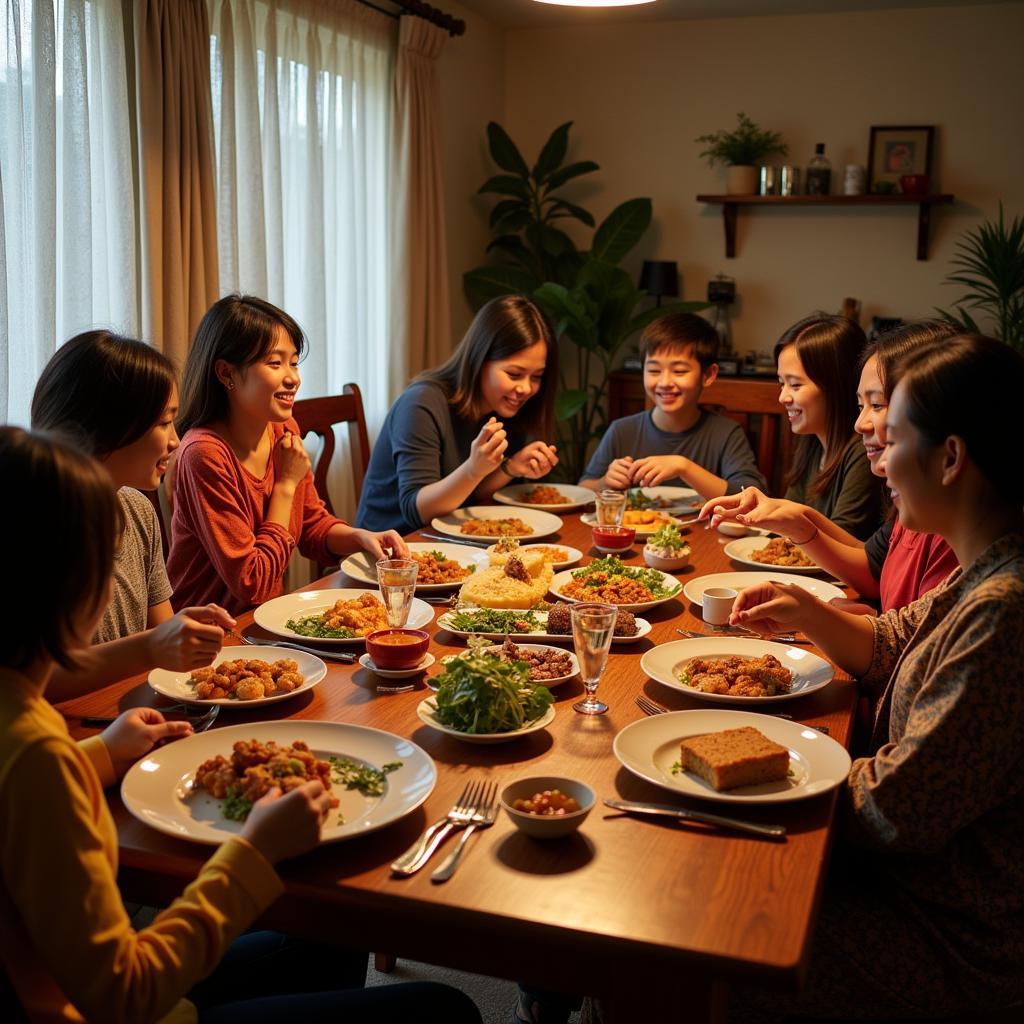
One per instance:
(735, 757)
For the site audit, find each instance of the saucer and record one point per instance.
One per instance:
(397, 673)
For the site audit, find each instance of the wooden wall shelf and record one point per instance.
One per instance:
(924, 204)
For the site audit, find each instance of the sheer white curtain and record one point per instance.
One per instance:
(67, 245)
(301, 104)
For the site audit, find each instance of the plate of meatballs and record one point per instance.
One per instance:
(243, 677)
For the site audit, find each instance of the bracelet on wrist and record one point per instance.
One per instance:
(504, 467)
(801, 543)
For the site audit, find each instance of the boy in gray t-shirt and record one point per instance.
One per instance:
(676, 442)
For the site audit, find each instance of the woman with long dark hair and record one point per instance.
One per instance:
(923, 911)
(118, 398)
(818, 367)
(244, 496)
(449, 436)
(894, 564)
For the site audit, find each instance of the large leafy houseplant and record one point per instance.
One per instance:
(746, 144)
(990, 263)
(592, 302)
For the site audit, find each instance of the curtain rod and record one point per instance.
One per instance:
(455, 26)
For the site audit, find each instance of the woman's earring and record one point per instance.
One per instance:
(231, 385)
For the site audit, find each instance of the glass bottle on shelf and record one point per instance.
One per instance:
(818, 181)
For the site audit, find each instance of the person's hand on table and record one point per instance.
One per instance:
(190, 639)
(135, 733)
(774, 607)
(619, 476)
(730, 506)
(284, 825)
(388, 544)
(534, 461)
(487, 450)
(656, 469)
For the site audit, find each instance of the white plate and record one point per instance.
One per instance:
(742, 551)
(542, 524)
(643, 627)
(590, 519)
(650, 747)
(272, 615)
(575, 495)
(397, 673)
(810, 672)
(561, 579)
(683, 499)
(496, 649)
(176, 684)
(361, 566)
(425, 710)
(154, 786)
(694, 589)
(574, 554)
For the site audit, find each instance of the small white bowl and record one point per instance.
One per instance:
(666, 564)
(732, 529)
(547, 826)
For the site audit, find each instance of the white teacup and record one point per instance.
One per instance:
(716, 605)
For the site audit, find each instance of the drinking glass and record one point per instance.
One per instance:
(610, 506)
(397, 579)
(592, 628)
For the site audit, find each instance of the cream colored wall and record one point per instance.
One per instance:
(639, 95)
(472, 93)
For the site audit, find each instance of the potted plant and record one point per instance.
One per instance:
(739, 151)
(991, 264)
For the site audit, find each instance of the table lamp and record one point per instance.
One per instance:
(660, 278)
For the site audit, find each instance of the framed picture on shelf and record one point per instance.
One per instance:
(895, 151)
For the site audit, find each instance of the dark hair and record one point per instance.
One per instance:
(891, 346)
(104, 390)
(62, 507)
(501, 328)
(935, 381)
(239, 329)
(680, 331)
(829, 348)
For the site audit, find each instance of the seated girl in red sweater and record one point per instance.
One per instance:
(68, 951)
(894, 564)
(244, 496)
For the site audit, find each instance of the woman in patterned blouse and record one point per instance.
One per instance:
(923, 913)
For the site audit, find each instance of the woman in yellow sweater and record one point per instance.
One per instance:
(67, 949)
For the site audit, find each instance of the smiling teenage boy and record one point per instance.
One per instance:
(676, 442)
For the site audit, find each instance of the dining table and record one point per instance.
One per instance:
(655, 917)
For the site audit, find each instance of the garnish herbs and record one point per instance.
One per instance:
(313, 625)
(361, 777)
(653, 580)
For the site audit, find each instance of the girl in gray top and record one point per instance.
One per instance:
(460, 431)
(117, 398)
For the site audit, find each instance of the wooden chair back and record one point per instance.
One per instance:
(754, 404)
(318, 416)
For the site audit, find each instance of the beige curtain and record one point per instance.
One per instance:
(421, 325)
(177, 187)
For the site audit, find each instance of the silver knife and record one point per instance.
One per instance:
(329, 655)
(665, 810)
(459, 540)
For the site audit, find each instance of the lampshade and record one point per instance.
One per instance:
(660, 277)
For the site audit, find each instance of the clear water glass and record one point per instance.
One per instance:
(397, 580)
(593, 626)
(610, 508)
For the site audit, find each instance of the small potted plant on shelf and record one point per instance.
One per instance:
(740, 151)
(666, 550)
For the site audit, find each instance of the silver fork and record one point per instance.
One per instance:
(650, 707)
(340, 656)
(446, 602)
(458, 817)
(486, 812)
(782, 638)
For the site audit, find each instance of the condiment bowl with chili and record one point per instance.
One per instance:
(397, 648)
(612, 539)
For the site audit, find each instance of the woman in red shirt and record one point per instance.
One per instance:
(244, 496)
(895, 565)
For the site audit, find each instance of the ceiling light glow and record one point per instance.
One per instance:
(594, 3)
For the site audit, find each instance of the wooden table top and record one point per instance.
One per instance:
(666, 904)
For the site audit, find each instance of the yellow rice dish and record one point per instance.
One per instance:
(511, 581)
